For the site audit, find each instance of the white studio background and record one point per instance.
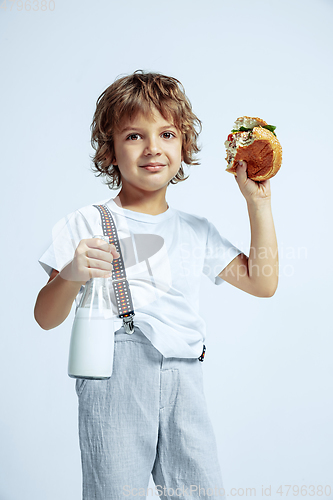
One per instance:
(268, 369)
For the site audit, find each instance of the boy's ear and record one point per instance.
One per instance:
(108, 157)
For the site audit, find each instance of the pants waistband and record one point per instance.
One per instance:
(138, 336)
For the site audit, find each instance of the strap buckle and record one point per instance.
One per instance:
(202, 355)
(129, 324)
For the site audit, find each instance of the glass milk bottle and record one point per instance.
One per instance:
(92, 338)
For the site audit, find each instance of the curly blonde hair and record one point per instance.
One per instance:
(138, 93)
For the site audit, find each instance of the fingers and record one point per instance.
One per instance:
(100, 255)
(103, 245)
(92, 259)
(114, 252)
(241, 175)
(97, 273)
(104, 265)
(241, 171)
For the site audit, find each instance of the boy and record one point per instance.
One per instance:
(150, 416)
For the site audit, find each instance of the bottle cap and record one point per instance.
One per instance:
(105, 238)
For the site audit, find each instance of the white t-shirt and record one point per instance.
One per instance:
(164, 257)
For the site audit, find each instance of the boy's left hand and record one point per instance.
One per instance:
(252, 191)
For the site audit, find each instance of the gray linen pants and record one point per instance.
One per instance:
(149, 417)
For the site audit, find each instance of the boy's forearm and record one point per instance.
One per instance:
(263, 262)
(54, 302)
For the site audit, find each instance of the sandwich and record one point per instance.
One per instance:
(255, 142)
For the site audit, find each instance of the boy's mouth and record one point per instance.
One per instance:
(153, 166)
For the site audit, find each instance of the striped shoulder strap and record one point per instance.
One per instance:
(119, 280)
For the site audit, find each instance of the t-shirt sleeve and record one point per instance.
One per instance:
(219, 253)
(66, 235)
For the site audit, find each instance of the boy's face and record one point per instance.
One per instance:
(146, 141)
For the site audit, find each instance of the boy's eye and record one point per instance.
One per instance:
(133, 137)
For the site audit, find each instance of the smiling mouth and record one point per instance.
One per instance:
(153, 167)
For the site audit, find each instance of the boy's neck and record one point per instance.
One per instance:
(151, 206)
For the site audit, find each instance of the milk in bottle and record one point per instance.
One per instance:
(92, 338)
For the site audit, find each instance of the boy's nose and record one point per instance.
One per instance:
(151, 147)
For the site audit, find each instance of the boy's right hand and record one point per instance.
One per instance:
(92, 259)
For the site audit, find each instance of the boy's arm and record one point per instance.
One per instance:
(92, 259)
(55, 300)
(258, 273)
